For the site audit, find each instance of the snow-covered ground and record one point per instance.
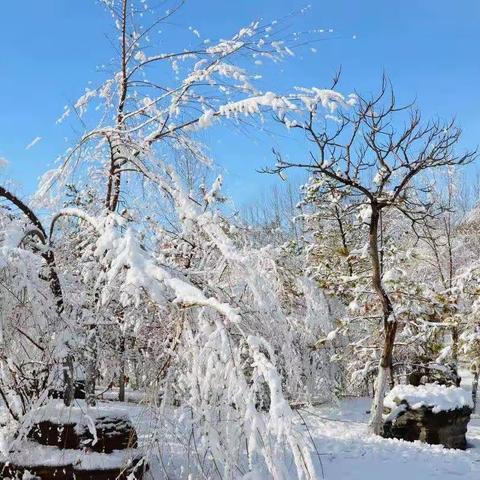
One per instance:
(344, 449)
(348, 452)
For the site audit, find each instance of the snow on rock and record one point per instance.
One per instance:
(31, 454)
(58, 413)
(438, 397)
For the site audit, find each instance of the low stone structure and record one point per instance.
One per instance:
(76, 443)
(68, 471)
(430, 413)
(112, 433)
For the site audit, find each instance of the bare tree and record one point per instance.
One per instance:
(272, 214)
(373, 150)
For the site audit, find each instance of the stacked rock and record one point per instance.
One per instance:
(75, 443)
(430, 413)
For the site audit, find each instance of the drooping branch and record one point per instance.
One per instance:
(71, 212)
(47, 254)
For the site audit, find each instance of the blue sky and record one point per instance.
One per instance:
(50, 50)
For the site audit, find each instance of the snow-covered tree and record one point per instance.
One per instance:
(376, 150)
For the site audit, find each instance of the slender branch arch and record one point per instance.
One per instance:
(48, 254)
(34, 232)
(72, 212)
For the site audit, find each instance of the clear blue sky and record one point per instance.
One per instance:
(50, 49)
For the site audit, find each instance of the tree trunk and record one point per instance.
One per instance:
(454, 332)
(375, 424)
(389, 327)
(475, 389)
(121, 385)
(68, 378)
(384, 373)
(118, 150)
(91, 366)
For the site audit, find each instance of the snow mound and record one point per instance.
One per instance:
(438, 397)
(56, 412)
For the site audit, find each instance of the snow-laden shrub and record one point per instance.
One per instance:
(30, 343)
(240, 344)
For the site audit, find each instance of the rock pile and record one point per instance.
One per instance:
(75, 443)
(431, 413)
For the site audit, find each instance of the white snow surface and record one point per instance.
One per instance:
(348, 452)
(438, 397)
(31, 454)
(56, 412)
(344, 450)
